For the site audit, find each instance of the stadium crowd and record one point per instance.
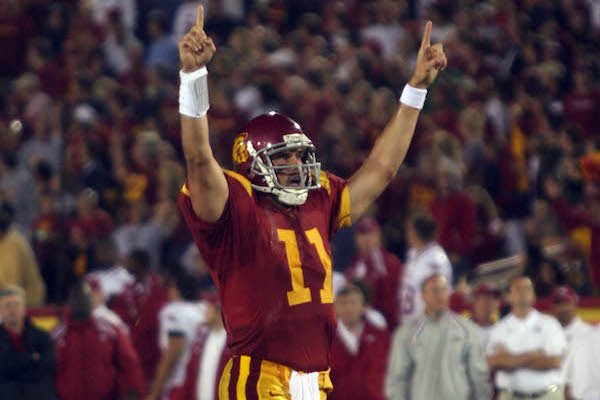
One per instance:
(505, 162)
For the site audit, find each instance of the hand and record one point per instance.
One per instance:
(553, 189)
(430, 60)
(195, 48)
(500, 349)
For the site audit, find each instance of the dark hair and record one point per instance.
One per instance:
(105, 253)
(7, 215)
(187, 286)
(80, 301)
(358, 287)
(140, 260)
(424, 226)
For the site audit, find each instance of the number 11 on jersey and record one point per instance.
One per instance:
(301, 294)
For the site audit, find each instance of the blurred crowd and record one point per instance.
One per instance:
(506, 156)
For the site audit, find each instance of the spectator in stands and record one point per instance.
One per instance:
(455, 215)
(141, 231)
(582, 102)
(139, 304)
(15, 187)
(438, 340)
(185, 17)
(209, 354)
(526, 348)
(46, 243)
(162, 50)
(46, 144)
(179, 321)
(485, 310)
(582, 218)
(425, 258)
(27, 358)
(379, 269)
(17, 261)
(95, 359)
(91, 220)
(360, 349)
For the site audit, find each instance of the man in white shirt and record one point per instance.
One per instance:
(179, 321)
(209, 354)
(425, 258)
(564, 308)
(582, 368)
(526, 349)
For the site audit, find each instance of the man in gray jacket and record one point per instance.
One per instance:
(439, 355)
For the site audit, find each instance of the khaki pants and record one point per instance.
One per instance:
(558, 394)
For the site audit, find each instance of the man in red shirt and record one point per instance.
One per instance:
(138, 305)
(359, 351)
(582, 104)
(264, 229)
(378, 268)
(455, 214)
(95, 359)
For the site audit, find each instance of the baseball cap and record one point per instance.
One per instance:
(564, 293)
(367, 224)
(485, 288)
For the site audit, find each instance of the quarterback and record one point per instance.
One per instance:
(264, 228)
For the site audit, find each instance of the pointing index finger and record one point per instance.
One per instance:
(200, 17)
(426, 42)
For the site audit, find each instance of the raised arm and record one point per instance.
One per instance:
(205, 180)
(391, 147)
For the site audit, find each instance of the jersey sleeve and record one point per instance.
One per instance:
(337, 188)
(217, 238)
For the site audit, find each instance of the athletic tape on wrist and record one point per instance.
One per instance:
(413, 97)
(193, 93)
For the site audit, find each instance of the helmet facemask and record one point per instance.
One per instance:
(308, 171)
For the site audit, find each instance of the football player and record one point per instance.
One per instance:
(264, 228)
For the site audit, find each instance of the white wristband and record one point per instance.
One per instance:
(193, 93)
(413, 97)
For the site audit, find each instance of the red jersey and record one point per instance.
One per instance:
(138, 306)
(359, 374)
(273, 271)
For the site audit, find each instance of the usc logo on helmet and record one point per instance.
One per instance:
(240, 152)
